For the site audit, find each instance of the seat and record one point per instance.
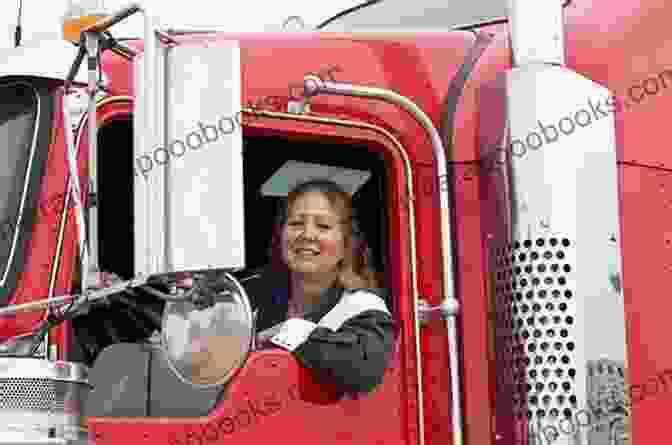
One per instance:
(135, 380)
(120, 382)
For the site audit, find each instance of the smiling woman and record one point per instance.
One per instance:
(319, 297)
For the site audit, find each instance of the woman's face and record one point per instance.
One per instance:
(312, 239)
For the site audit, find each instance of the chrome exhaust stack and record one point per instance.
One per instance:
(551, 221)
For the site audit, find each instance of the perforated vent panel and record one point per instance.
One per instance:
(29, 394)
(535, 317)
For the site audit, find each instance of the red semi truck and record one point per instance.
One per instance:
(503, 159)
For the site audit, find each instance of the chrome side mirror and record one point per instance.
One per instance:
(208, 335)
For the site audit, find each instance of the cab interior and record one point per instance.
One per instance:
(129, 320)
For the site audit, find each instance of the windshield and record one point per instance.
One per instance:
(426, 15)
(18, 114)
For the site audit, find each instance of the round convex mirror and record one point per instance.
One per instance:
(207, 337)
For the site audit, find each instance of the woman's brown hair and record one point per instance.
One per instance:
(356, 266)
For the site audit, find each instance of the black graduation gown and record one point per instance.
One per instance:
(355, 355)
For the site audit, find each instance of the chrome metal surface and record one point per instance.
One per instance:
(18, 439)
(536, 32)
(31, 368)
(177, 227)
(553, 252)
(206, 345)
(93, 56)
(315, 85)
(165, 38)
(75, 192)
(87, 297)
(41, 400)
(35, 305)
(148, 100)
(445, 310)
(22, 346)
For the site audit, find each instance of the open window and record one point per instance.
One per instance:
(129, 318)
(115, 188)
(264, 157)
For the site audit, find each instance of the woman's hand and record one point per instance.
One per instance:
(264, 336)
(185, 282)
(102, 279)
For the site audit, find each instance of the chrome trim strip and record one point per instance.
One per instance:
(61, 229)
(42, 369)
(66, 201)
(92, 49)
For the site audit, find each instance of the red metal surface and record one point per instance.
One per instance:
(647, 276)
(34, 281)
(273, 398)
(620, 45)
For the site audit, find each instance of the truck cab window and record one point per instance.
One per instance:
(265, 159)
(106, 336)
(23, 149)
(402, 15)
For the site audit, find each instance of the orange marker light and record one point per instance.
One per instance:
(79, 15)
